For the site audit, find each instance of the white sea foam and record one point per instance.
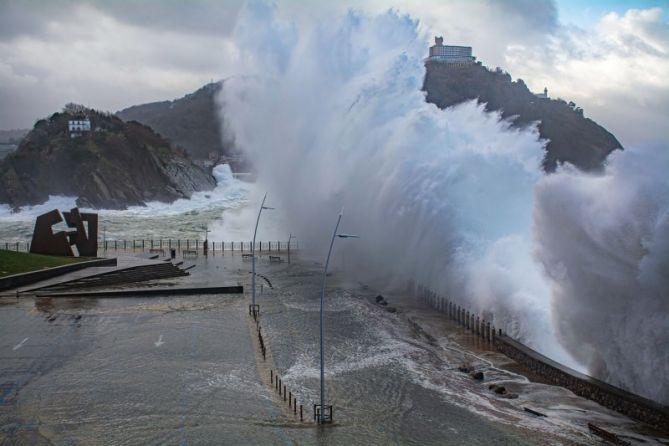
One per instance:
(455, 198)
(228, 193)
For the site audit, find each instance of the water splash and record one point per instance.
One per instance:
(331, 113)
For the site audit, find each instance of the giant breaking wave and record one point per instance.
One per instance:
(573, 264)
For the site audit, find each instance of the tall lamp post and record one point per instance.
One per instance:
(205, 245)
(290, 237)
(322, 417)
(253, 308)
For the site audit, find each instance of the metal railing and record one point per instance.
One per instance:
(167, 244)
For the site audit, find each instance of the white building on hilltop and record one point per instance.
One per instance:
(77, 126)
(450, 54)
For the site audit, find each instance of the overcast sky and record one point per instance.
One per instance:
(611, 57)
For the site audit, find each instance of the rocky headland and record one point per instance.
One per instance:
(113, 165)
(193, 122)
(571, 137)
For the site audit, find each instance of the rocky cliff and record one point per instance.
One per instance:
(115, 165)
(192, 122)
(572, 137)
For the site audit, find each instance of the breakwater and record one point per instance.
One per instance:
(629, 404)
(586, 386)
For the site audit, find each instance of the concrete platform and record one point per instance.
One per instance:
(122, 263)
(148, 292)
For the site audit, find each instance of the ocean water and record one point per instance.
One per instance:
(182, 219)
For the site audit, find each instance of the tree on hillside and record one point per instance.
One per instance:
(74, 109)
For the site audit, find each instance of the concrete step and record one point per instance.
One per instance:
(135, 274)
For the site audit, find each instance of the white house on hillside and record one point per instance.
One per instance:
(78, 126)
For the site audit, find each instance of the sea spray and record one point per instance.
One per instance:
(603, 240)
(332, 115)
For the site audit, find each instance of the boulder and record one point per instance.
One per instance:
(500, 390)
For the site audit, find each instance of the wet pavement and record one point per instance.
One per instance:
(185, 370)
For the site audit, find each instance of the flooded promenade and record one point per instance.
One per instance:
(186, 370)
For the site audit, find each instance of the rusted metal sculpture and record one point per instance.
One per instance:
(85, 237)
(45, 241)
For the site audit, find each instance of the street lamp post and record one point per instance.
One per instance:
(253, 309)
(321, 415)
(205, 247)
(290, 237)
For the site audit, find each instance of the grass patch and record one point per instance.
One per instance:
(12, 262)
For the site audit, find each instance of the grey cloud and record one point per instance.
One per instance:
(209, 17)
(27, 18)
(193, 17)
(537, 15)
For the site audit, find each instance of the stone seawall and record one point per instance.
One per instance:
(633, 406)
(608, 396)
